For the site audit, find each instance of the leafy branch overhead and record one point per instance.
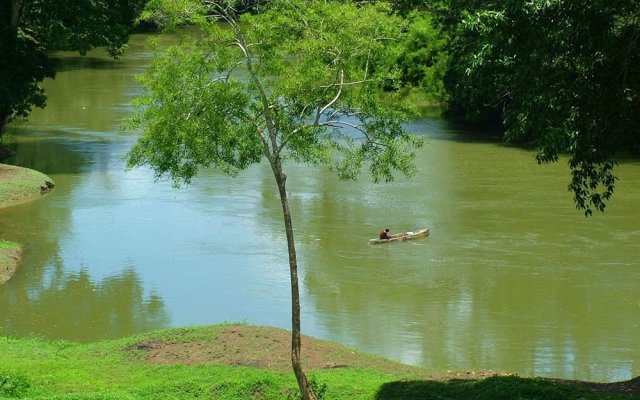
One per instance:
(31, 30)
(562, 75)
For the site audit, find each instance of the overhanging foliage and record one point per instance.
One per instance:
(560, 74)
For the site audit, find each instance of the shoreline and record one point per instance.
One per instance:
(17, 185)
(252, 362)
(10, 256)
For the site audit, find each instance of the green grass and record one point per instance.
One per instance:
(108, 370)
(40, 369)
(5, 244)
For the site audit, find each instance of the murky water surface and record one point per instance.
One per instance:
(512, 277)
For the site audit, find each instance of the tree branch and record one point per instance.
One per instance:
(271, 145)
(333, 101)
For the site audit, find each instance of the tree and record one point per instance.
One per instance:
(423, 61)
(297, 80)
(560, 74)
(30, 29)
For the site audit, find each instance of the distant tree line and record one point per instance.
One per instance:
(560, 75)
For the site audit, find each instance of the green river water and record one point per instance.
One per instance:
(512, 277)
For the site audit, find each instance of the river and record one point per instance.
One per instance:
(512, 277)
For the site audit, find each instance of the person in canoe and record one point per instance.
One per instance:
(384, 234)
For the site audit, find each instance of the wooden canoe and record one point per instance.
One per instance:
(402, 236)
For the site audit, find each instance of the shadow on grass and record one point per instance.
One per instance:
(495, 388)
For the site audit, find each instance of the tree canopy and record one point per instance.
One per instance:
(298, 80)
(560, 74)
(320, 78)
(31, 29)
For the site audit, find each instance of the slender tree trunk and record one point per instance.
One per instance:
(296, 342)
(17, 7)
(272, 153)
(10, 16)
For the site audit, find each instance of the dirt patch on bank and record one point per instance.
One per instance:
(269, 348)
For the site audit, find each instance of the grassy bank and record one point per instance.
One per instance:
(17, 185)
(235, 362)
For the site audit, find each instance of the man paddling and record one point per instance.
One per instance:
(384, 234)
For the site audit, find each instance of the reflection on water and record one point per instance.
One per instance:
(512, 277)
(73, 307)
(47, 297)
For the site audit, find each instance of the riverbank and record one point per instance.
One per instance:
(250, 362)
(10, 253)
(17, 185)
